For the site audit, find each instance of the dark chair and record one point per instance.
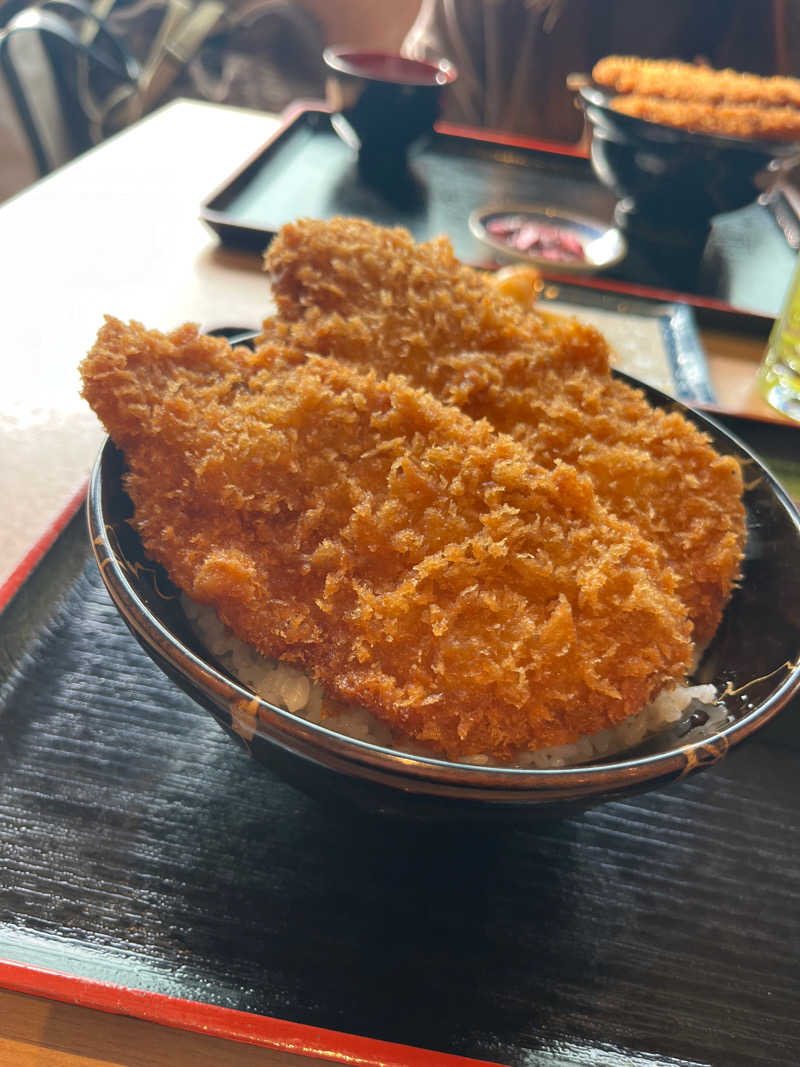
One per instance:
(84, 59)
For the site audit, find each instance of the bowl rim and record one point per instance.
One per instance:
(596, 96)
(336, 59)
(319, 744)
(478, 229)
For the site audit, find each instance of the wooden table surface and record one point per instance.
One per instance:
(42, 1033)
(117, 232)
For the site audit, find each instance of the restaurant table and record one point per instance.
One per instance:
(117, 231)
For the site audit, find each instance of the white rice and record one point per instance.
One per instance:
(289, 688)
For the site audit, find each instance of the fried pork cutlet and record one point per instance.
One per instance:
(749, 121)
(674, 80)
(413, 560)
(364, 293)
(370, 296)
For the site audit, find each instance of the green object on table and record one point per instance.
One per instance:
(779, 377)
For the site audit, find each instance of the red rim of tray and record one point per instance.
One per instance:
(211, 1020)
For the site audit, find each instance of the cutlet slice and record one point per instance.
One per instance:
(750, 121)
(371, 297)
(368, 294)
(673, 80)
(410, 558)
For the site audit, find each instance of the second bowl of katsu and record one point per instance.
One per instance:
(679, 144)
(474, 589)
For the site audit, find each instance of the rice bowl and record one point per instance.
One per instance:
(504, 554)
(287, 687)
(756, 637)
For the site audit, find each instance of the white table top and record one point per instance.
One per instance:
(117, 231)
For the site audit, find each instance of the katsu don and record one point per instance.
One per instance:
(411, 558)
(700, 99)
(371, 297)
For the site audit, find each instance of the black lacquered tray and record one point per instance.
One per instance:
(306, 170)
(141, 847)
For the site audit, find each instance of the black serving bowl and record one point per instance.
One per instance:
(755, 656)
(670, 182)
(383, 102)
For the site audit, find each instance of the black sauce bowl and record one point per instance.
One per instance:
(755, 655)
(670, 182)
(382, 102)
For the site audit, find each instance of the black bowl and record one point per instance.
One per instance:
(670, 182)
(383, 102)
(755, 656)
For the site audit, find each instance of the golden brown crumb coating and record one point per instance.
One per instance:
(675, 80)
(726, 120)
(411, 558)
(367, 295)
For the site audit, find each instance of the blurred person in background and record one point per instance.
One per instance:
(514, 56)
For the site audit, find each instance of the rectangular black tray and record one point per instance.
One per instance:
(139, 846)
(306, 170)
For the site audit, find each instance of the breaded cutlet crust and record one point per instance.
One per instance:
(412, 559)
(370, 296)
(748, 121)
(674, 80)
